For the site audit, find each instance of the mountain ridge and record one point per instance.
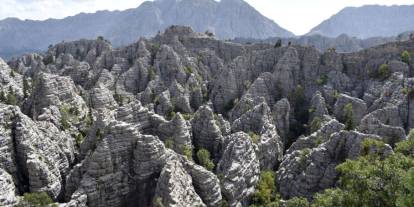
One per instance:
(227, 19)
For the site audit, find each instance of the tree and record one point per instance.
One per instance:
(188, 152)
(383, 71)
(349, 117)
(297, 202)
(25, 88)
(406, 57)
(278, 43)
(36, 199)
(406, 198)
(203, 157)
(266, 190)
(11, 97)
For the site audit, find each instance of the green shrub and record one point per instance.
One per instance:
(265, 190)
(383, 72)
(188, 70)
(158, 202)
(187, 116)
(152, 74)
(349, 117)
(169, 143)
(41, 199)
(26, 88)
(297, 202)
(3, 97)
(406, 57)
(119, 99)
(254, 137)
(64, 117)
(203, 157)
(331, 198)
(406, 147)
(322, 80)
(370, 143)
(406, 196)
(11, 97)
(315, 124)
(188, 152)
(171, 115)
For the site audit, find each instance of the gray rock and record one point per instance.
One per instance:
(239, 169)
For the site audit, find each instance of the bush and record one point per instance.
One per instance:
(188, 152)
(41, 199)
(297, 202)
(406, 198)
(203, 157)
(322, 80)
(406, 57)
(369, 144)
(349, 117)
(406, 147)
(266, 190)
(11, 97)
(64, 117)
(330, 198)
(278, 43)
(169, 143)
(315, 124)
(254, 137)
(383, 72)
(188, 70)
(26, 88)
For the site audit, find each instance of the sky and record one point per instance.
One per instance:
(297, 16)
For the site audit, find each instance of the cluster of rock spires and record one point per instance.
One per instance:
(91, 125)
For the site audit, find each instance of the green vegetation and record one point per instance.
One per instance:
(11, 97)
(158, 202)
(382, 73)
(2, 96)
(169, 143)
(409, 92)
(278, 43)
(406, 57)
(322, 80)
(266, 194)
(170, 115)
(41, 199)
(188, 70)
(203, 157)
(119, 99)
(152, 74)
(64, 119)
(187, 116)
(254, 137)
(297, 202)
(12, 74)
(188, 152)
(406, 147)
(315, 124)
(406, 197)
(349, 117)
(368, 144)
(372, 180)
(26, 88)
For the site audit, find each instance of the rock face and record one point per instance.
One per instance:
(95, 126)
(174, 187)
(239, 168)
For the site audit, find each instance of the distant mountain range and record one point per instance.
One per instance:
(343, 43)
(226, 19)
(368, 21)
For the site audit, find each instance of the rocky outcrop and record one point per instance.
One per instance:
(174, 187)
(307, 171)
(239, 169)
(7, 189)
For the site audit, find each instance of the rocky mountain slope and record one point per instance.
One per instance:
(226, 19)
(368, 21)
(342, 43)
(184, 119)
